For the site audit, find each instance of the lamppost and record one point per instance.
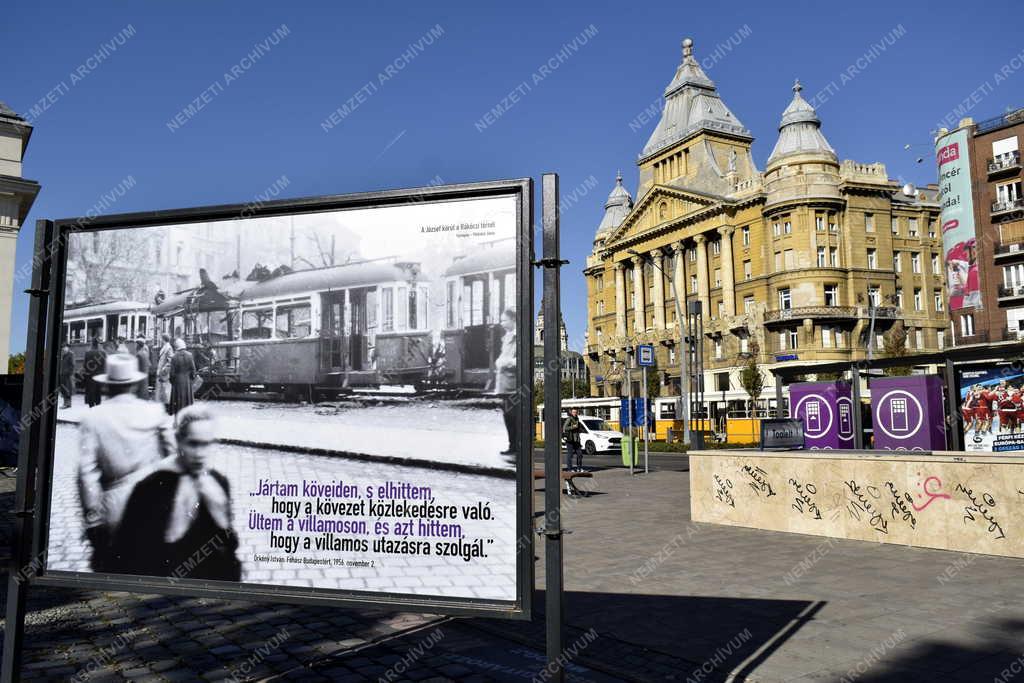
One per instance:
(684, 376)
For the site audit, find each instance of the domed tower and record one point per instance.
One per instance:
(802, 165)
(616, 208)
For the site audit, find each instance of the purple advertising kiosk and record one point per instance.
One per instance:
(826, 409)
(907, 413)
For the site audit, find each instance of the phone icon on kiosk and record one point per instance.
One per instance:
(898, 415)
(845, 421)
(813, 416)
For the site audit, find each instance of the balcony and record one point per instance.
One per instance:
(1004, 163)
(811, 312)
(1004, 251)
(1007, 206)
(1012, 293)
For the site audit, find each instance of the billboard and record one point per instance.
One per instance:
(991, 407)
(908, 413)
(826, 409)
(959, 240)
(317, 400)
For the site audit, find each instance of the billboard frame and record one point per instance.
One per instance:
(51, 251)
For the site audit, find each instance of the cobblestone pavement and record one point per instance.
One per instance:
(650, 596)
(491, 577)
(394, 428)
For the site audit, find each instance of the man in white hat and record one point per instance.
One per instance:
(119, 442)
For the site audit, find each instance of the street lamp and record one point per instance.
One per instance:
(684, 376)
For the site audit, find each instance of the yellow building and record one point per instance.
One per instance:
(810, 260)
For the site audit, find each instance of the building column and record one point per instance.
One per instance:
(680, 283)
(639, 319)
(659, 289)
(728, 277)
(703, 287)
(620, 300)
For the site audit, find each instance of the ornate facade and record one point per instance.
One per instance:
(811, 259)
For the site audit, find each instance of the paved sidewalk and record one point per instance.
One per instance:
(650, 597)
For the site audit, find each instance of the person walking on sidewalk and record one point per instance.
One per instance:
(95, 361)
(142, 353)
(571, 431)
(183, 373)
(163, 373)
(67, 374)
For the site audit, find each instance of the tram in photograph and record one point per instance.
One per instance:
(111, 323)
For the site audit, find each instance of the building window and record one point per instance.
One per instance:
(897, 261)
(917, 299)
(912, 227)
(716, 247)
(671, 355)
(598, 333)
(826, 337)
(895, 225)
(833, 257)
(869, 222)
(1013, 276)
(600, 307)
(819, 222)
(794, 338)
(747, 270)
(721, 309)
(833, 226)
(831, 295)
(789, 259)
(938, 300)
(935, 265)
(748, 304)
(778, 262)
(745, 232)
(874, 295)
(872, 259)
(691, 254)
(744, 345)
(785, 300)
(915, 262)
(821, 257)
(599, 283)
(718, 277)
(776, 229)
(967, 325)
(718, 348)
(1008, 192)
(941, 334)
(931, 228)
(899, 297)
(693, 284)
(787, 226)
(919, 338)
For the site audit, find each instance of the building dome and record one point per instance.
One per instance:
(800, 131)
(616, 208)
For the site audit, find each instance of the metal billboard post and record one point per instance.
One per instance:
(34, 404)
(554, 596)
(647, 429)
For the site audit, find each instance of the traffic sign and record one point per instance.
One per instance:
(645, 354)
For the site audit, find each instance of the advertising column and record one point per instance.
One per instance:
(959, 241)
(826, 409)
(908, 413)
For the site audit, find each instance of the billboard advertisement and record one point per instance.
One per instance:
(323, 399)
(826, 409)
(959, 240)
(908, 413)
(991, 407)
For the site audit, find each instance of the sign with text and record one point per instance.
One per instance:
(959, 239)
(908, 413)
(325, 489)
(991, 407)
(826, 410)
(645, 355)
(782, 433)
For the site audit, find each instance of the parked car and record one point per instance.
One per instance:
(594, 437)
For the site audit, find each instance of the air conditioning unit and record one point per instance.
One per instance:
(1014, 247)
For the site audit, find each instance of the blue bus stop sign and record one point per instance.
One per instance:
(645, 354)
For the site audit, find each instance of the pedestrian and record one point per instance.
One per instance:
(93, 365)
(571, 431)
(163, 373)
(181, 511)
(183, 372)
(119, 441)
(505, 378)
(67, 374)
(142, 354)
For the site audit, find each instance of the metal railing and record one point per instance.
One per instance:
(1007, 205)
(1014, 247)
(1004, 162)
(998, 122)
(1009, 292)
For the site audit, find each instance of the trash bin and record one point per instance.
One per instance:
(628, 450)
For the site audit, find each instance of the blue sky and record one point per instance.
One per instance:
(110, 121)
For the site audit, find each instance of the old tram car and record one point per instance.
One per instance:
(111, 323)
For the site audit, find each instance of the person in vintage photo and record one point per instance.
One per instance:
(505, 381)
(180, 511)
(163, 372)
(142, 354)
(119, 441)
(67, 374)
(92, 365)
(182, 374)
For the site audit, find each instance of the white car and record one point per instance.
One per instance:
(594, 437)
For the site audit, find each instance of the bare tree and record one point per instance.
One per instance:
(112, 264)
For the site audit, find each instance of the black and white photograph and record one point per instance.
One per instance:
(325, 400)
